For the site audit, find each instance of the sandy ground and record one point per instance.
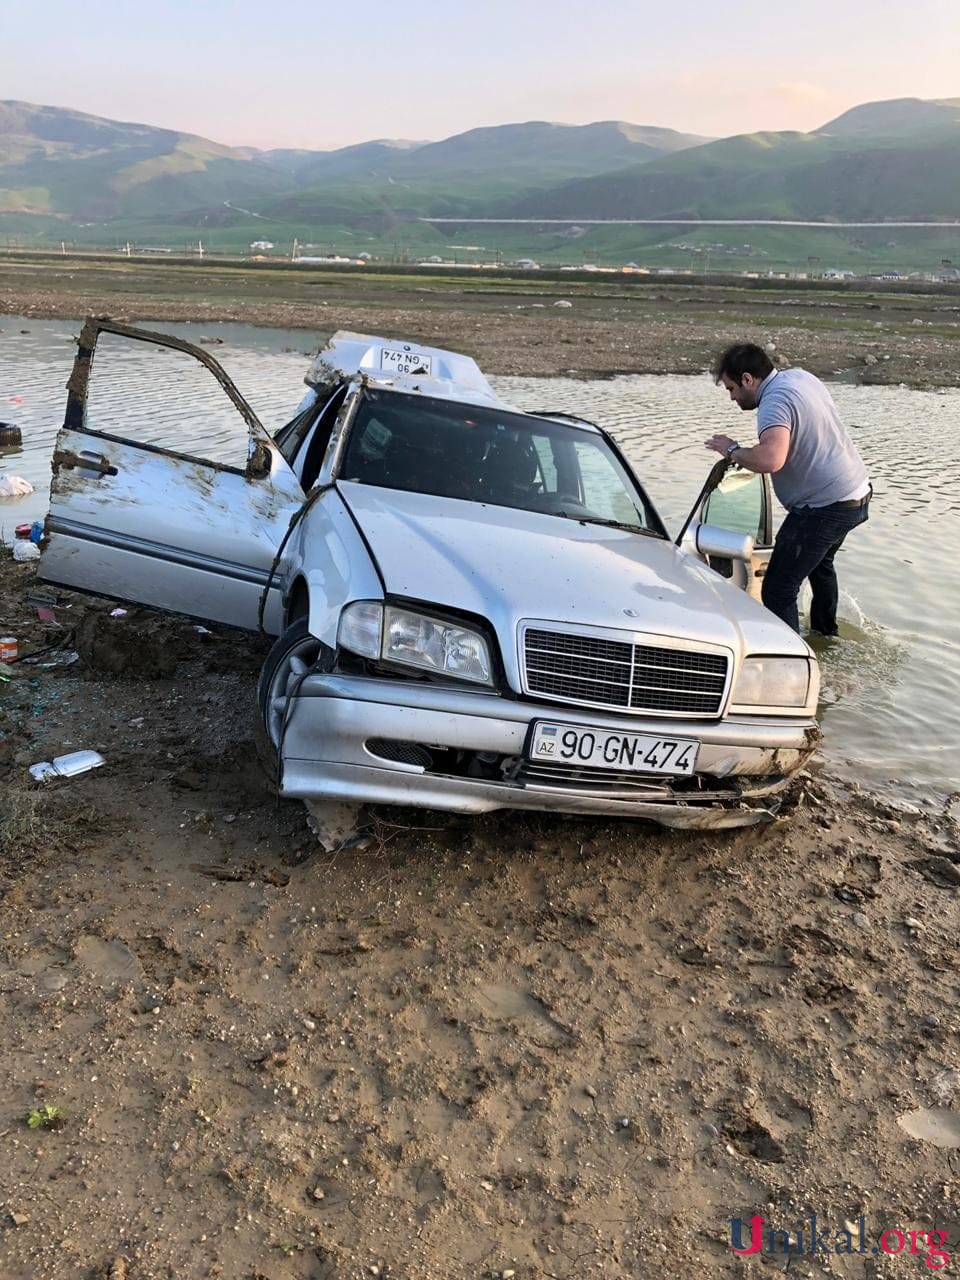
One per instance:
(511, 1046)
(516, 326)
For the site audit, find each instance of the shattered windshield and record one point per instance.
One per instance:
(425, 445)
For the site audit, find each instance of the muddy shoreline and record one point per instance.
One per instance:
(515, 1045)
(518, 328)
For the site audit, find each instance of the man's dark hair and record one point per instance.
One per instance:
(741, 358)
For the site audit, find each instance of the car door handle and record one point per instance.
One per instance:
(84, 460)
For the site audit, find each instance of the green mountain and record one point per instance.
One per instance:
(85, 168)
(884, 160)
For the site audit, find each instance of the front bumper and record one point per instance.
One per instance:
(742, 763)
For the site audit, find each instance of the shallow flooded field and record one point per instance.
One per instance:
(891, 686)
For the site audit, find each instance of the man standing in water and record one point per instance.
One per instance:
(817, 474)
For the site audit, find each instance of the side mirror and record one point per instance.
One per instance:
(711, 540)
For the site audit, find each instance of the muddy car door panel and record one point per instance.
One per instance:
(138, 522)
(154, 528)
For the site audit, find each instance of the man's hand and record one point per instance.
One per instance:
(720, 444)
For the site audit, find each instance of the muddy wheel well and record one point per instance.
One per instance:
(299, 606)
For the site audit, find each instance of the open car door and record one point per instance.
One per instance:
(741, 503)
(135, 519)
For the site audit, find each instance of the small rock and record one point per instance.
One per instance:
(487, 1186)
(711, 1131)
(507, 1274)
(19, 1219)
(319, 1193)
(860, 920)
(590, 1091)
(912, 922)
(624, 1122)
(931, 1020)
(309, 1024)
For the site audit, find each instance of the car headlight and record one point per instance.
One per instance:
(415, 640)
(772, 682)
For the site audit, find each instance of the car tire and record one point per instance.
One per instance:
(291, 654)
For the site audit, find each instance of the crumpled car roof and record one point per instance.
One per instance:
(349, 355)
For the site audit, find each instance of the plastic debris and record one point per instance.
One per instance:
(24, 549)
(67, 766)
(118, 613)
(14, 487)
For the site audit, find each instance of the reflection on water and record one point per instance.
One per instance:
(891, 686)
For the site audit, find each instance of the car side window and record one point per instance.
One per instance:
(739, 504)
(154, 395)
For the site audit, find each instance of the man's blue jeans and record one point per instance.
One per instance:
(808, 540)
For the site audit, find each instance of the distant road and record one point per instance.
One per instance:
(679, 222)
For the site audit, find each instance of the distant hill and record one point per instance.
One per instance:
(886, 160)
(896, 118)
(59, 162)
(85, 179)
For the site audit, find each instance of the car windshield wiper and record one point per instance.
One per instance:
(607, 524)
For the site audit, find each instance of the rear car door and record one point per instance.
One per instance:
(743, 503)
(139, 510)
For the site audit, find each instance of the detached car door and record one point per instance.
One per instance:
(166, 490)
(743, 503)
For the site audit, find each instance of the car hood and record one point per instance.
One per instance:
(505, 565)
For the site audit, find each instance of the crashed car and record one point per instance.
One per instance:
(475, 608)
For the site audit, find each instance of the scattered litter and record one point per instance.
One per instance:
(563, 303)
(47, 658)
(43, 599)
(203, 631)
(118, 613)
(937, 1125)
(14, 487)
(67, 766)
(10, 435)
(5, 672)
(24, 549)
(46, 615)
(8, 649)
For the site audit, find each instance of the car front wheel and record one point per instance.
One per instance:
(292, 657)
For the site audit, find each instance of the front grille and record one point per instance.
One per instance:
(593, 781)
(596, 672)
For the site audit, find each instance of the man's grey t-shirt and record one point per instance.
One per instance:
(823, 464)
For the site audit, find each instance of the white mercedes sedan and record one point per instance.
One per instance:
(475, 607)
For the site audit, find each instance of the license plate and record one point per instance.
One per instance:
(601, 749)
(405, 362)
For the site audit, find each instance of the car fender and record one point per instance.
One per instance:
(331, 557)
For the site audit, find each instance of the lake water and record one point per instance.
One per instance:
(891, 708)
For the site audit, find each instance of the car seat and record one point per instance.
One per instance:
(509, 474)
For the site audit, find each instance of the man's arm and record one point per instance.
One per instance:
(767, 456)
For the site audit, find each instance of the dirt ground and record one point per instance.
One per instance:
(517, 326)
(509, 1046)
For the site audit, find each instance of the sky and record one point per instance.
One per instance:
(292, 74)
